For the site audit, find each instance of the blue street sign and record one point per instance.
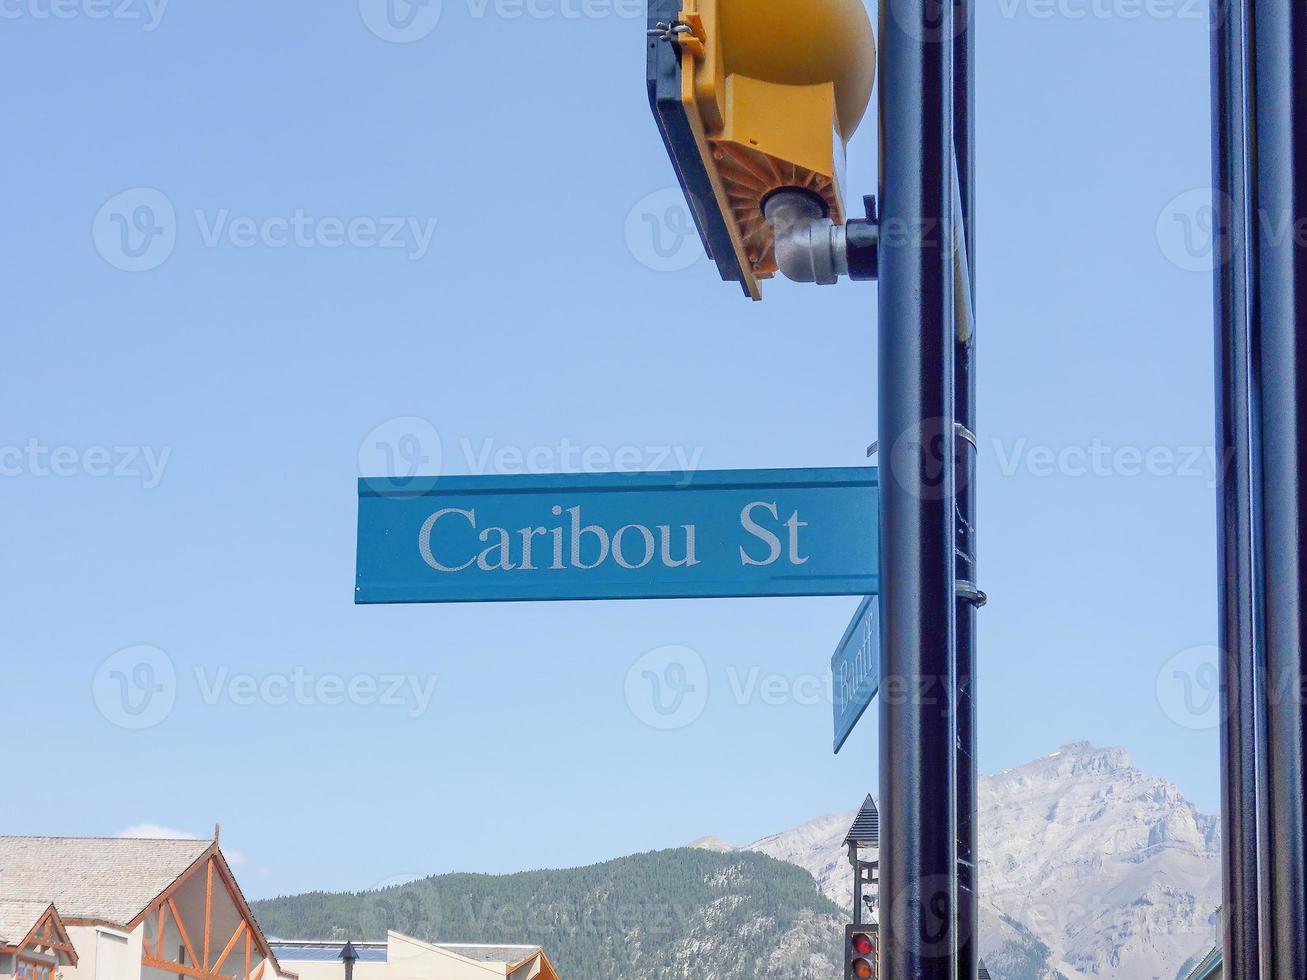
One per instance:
(855, 669)
(619, 536)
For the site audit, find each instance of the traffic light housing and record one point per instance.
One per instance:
(861, 953)
(754, 97)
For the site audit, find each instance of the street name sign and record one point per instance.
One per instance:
(663, 535)
(855, 669)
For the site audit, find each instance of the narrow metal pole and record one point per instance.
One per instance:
(918, 751)
(964, 397)
(1238, 496)
(1279, 311)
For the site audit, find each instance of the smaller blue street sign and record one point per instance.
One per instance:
(855, 669)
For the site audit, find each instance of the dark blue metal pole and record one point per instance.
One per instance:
(964, 382)
(1243, 740)
(1279, 319)
(918, 751)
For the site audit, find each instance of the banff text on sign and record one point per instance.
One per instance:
(619, 536)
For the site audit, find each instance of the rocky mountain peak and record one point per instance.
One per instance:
(1089, 868)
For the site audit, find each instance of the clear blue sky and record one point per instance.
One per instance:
(252, 374)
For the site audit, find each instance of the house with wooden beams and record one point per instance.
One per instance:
(129, 909)
(402, 957)
(34, 944)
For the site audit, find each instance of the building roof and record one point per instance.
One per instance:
(314, 951)
(865, 831)
(491, 954)
(18, 917)
(101, 879)
(1209, 967)
(327, 951)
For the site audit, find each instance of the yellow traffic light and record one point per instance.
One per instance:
(769, 93)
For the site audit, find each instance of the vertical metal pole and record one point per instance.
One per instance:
(964, 383)
(1279, 317)
(1238, 496)
(918, 752)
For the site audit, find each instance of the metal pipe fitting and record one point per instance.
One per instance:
(809, 246)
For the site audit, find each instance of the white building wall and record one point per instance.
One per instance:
(104, 954)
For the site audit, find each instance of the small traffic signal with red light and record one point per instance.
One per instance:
(860, 953)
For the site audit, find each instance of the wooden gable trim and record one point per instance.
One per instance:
(49, 933)
(547, 971)
(205, 966)
(233, 890)
(171, 890)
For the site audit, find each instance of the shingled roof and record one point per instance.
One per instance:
(865, 831)
(511, 955)
(18, 917)
(105, 879)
